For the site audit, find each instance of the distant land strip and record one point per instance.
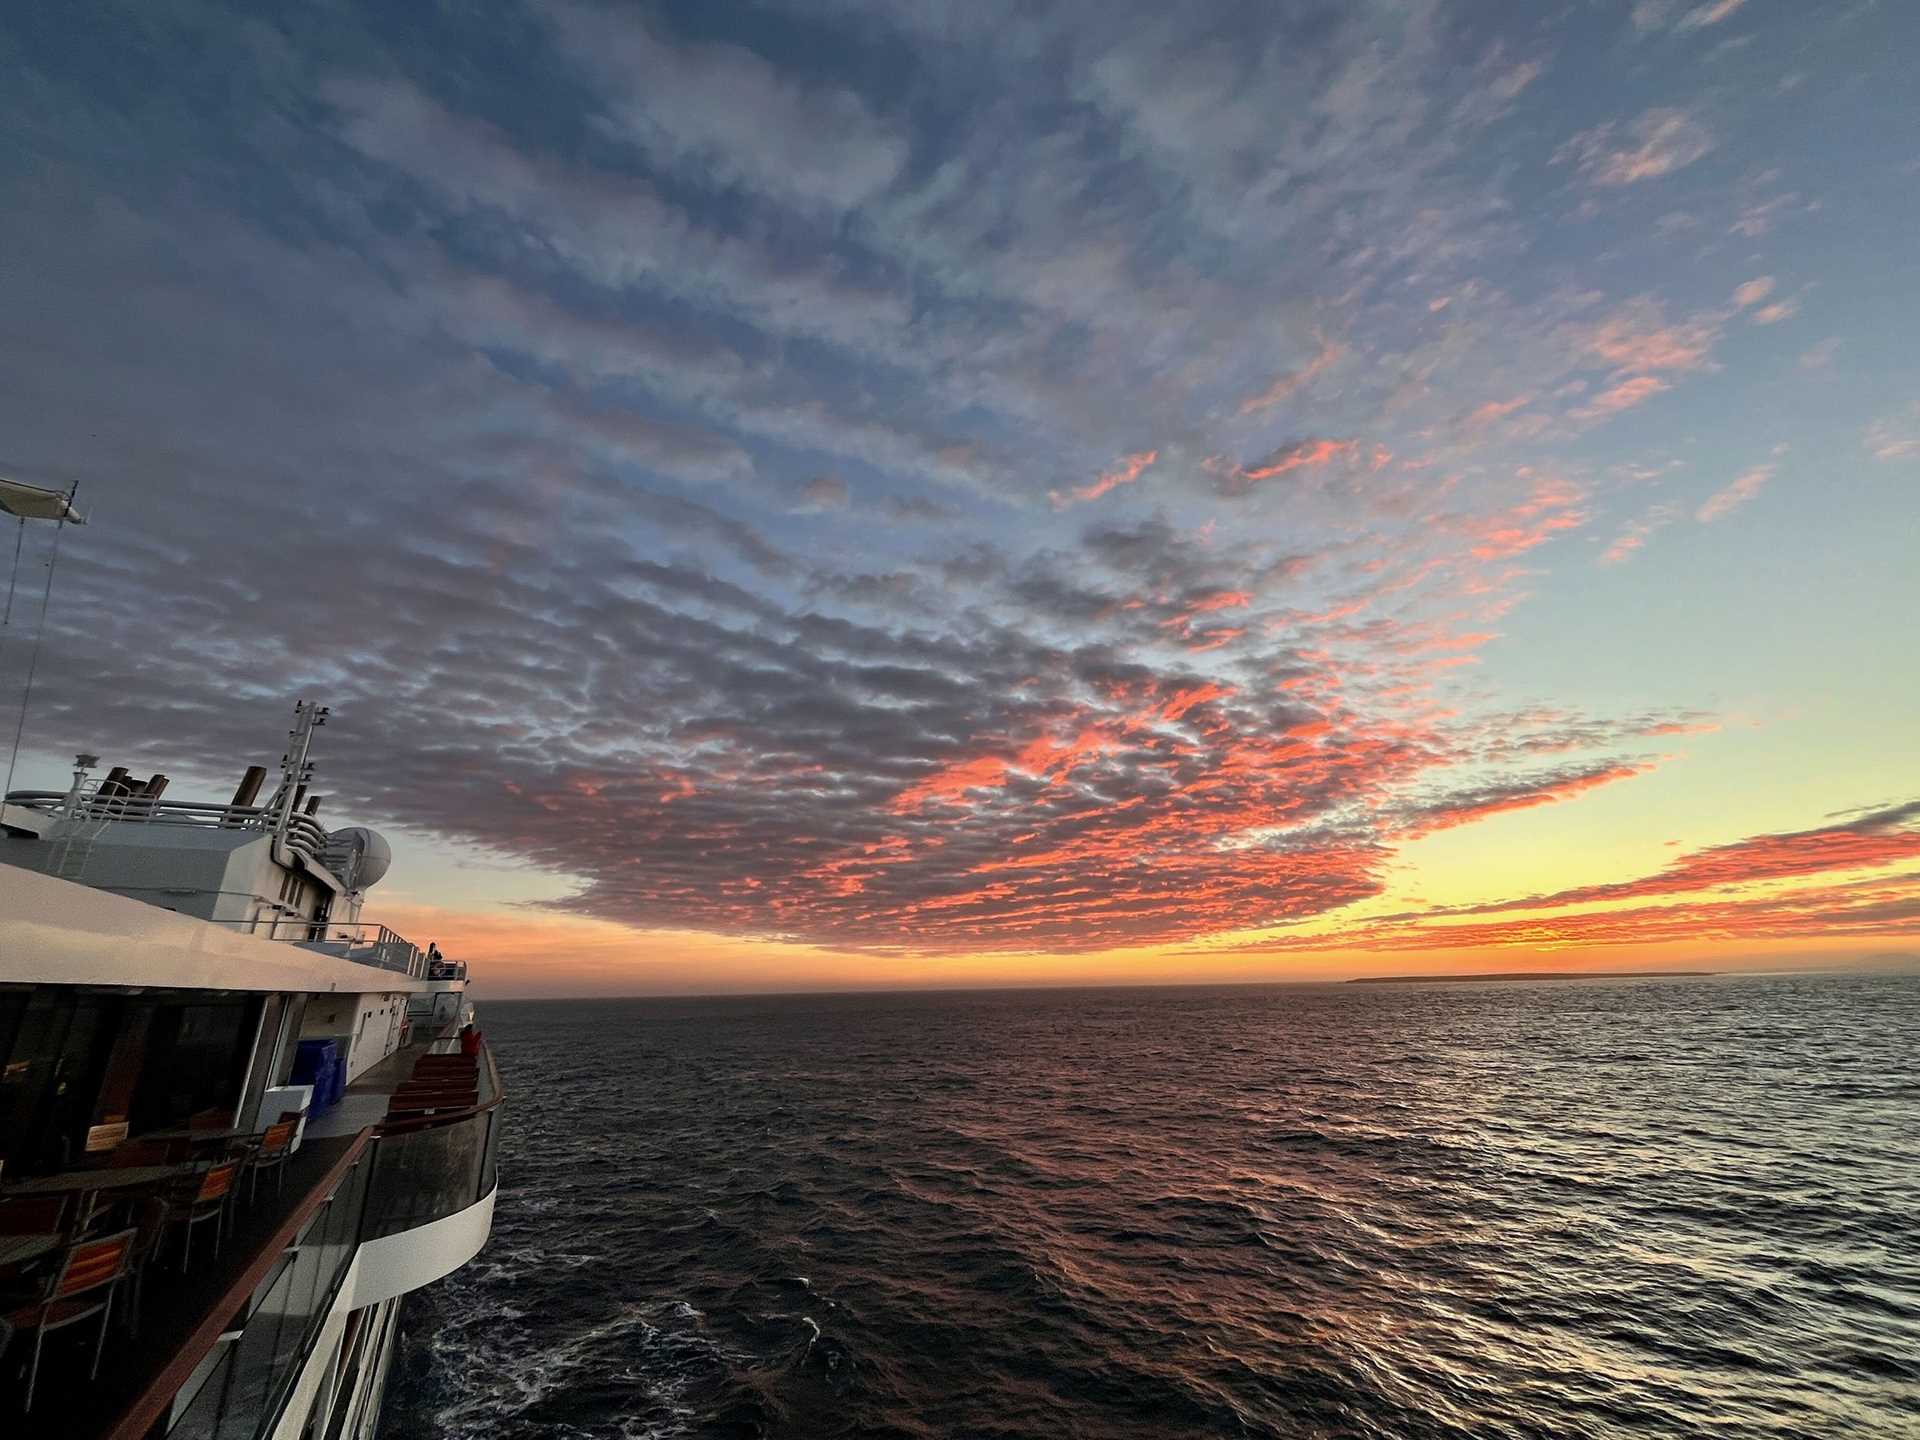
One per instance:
(1526, 975)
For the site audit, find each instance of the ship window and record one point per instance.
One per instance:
(196, 1060)
(49, 1076)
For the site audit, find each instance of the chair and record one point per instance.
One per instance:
(201, 1198)
(73, 1295)
(149, 1219)
(275, 1145)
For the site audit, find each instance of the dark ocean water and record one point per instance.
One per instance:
(1603, 1208)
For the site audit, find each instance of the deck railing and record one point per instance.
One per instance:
(234, 1374)
(364, 942)
(304, 833)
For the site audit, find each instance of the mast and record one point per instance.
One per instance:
(32, 502)
(295, 768)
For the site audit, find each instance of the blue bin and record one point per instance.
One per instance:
(317, 1063)
(336, 1082)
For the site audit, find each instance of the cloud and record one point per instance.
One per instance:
(1552, 505)
(1658, 143)
(1291, 381)
(1764, 896)
(722, 111)
(1635, 535)
(1125, 473)
(1873, 839)
(823, 493)
(1741, 490)
(1307, 454)
(1464, 807)
(1752, 292)
(915, 509)
(1636, 338)
(1822, 355)
(1680, 16)
(1624, 396)
(1775, 313)
(1896, 436)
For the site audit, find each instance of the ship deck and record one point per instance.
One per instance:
(69, 1406)
(427, 1167)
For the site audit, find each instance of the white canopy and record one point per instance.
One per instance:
(34, 503)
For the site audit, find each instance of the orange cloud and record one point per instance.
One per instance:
(1231, 479)
(1553, 506)
(1129, 470)
(1500, 800)
(1330, 355)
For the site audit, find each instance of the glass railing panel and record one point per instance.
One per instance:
(201, 1416)
(490, 1165)
(424, 1175)
(241, 1396)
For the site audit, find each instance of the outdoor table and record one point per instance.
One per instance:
(19, 1249)
(195, 1140)
(87, 1182)
(198, 1137)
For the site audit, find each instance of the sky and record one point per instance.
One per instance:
(797, 495)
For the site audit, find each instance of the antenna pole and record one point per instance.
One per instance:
(295, 768)
(40, 634)
(13, 577)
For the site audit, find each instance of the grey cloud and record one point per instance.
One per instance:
(723, 109)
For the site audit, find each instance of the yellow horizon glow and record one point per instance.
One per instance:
(530, 955)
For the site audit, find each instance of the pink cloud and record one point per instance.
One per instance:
(1636, 535)
(1232, 479)
(1330, 354)
(1129, 470)
(1624, 396)
(1502, 800)
(1636, 339)
(1658, 143)
(1553, 506)
(1497, 410)
(1753, 292)
(1773, 314)
(1743, 489)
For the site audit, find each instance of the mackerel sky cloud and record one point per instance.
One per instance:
(979, 479)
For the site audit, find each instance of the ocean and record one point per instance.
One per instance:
(1609, 1208)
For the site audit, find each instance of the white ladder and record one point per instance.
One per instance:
(73, 849)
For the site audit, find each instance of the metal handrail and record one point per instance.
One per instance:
(304, 833)
(152, 1402)
(137, 1419)
(497, 1093)
(160, 811)
(397, 952)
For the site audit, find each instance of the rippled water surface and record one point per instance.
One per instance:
(1597, 1208)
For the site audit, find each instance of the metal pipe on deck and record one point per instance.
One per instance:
(248, 790)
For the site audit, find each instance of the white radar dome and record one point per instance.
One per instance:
(366, 854)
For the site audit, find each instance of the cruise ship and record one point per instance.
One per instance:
(238, 1121)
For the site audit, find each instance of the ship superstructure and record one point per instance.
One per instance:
(238, 1121)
